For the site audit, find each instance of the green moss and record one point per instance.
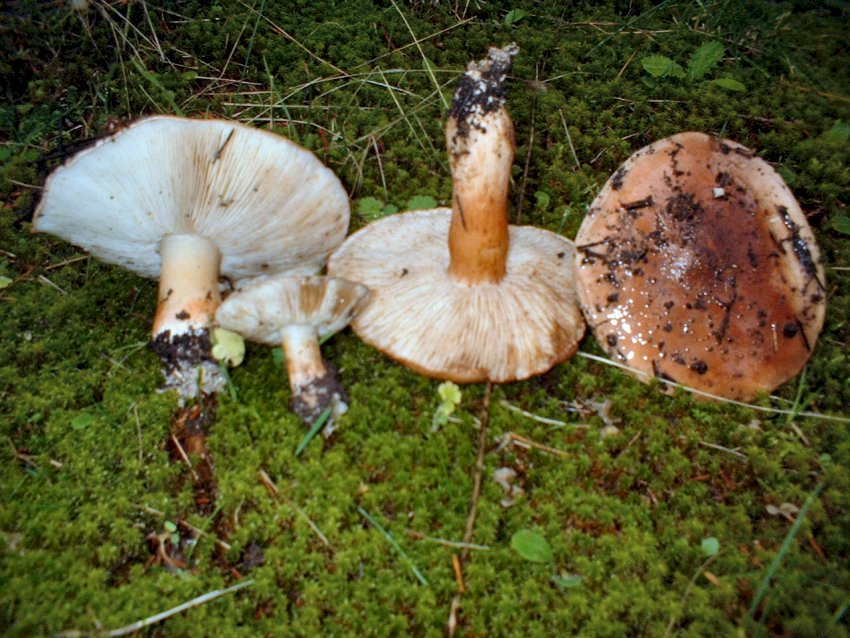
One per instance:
(86, 481)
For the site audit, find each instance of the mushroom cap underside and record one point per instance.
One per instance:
(268, 204)
(696, 264)
(259, 309)
(437, 326)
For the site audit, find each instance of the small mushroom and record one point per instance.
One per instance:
(696, 264)
(497, 303)
(188, 201)
(297, 312)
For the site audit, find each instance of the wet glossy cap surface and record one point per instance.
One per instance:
(696, 264)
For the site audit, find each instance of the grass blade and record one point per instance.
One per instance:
(313, 431)
(394, 544)
(786, 545)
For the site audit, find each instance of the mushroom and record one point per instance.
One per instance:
(696, 264)
(497, 303)
(298, 312)
(188, 201)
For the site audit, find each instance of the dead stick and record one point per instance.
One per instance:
(473, 503)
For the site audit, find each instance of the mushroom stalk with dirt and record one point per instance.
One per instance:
(480, 141)
(494, 302)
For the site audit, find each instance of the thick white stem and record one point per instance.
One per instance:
(188, 284)
(303, 358)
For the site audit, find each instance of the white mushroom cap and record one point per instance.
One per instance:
(258, 309)
(696, 264)
(442, 327)
(268, 205)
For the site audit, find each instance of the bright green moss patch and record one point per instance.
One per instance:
(624, 483)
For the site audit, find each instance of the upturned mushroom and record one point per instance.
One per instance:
(296, 313)
(189, 201)
(498, 302)
(696, 264)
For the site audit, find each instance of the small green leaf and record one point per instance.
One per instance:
(5, 282)
(5, 153)
(82, 421)
(841, 223)
(660, 66)
(370, 207)
(514, 15)
(565, 580)
(729, 84)
(542, 199)
(228, 347)
(704, 59)
(389, 209)
(710, 546)
(449, 393)
(532, 546)
(421, 202)
(170, 527)
(840, 132)
(189, 75)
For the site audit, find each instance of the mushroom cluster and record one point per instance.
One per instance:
(189, 202)
(696, 264)
(494, 303)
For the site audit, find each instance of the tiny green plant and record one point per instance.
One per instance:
(532, 546)
(174, 535)
(542, 200)
(513, 16)
(704, 59)
(82, 421)
(565, 580)
(710, 546)
(450, 397)
(372, 208)
(228, 347)
(420, 202)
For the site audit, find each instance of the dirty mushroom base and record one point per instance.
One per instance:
(447, 329)
(187, 363)
(696, 264)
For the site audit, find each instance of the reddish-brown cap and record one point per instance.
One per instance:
(696, 264)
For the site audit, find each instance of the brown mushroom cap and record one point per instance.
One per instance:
(443, 327)
(696, 264)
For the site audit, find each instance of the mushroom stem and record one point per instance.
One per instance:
(480, 141)
(188, 298)
(188, 284)
(314, 383)
(303, 357)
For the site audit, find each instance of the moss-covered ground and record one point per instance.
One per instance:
(629, 512)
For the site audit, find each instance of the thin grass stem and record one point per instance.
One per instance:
(394, 544)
